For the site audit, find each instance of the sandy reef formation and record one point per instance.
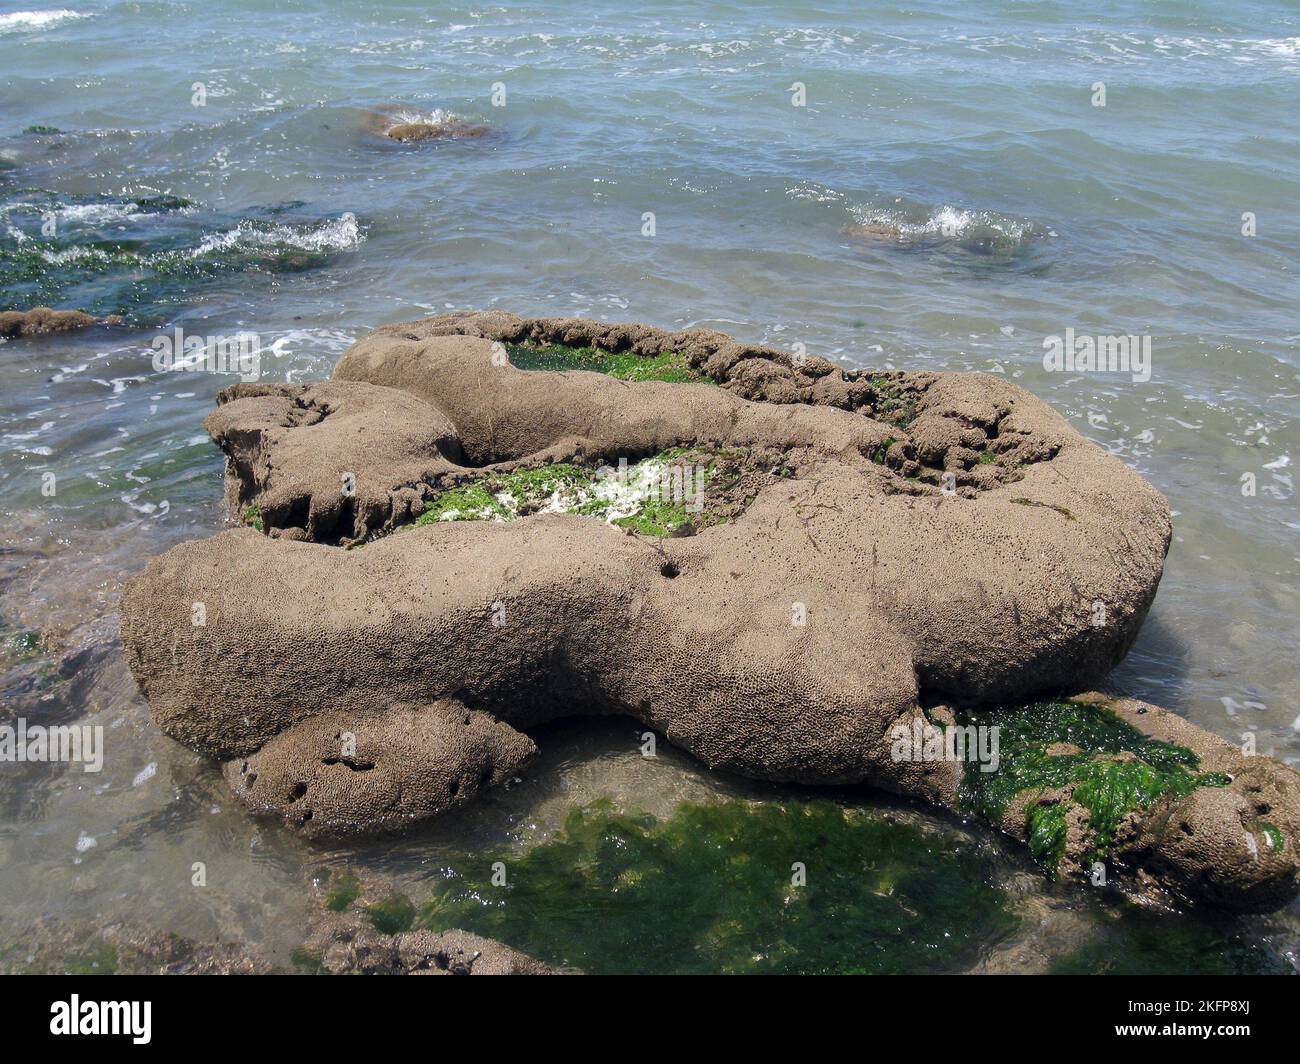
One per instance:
(42, 320)
(866, 551)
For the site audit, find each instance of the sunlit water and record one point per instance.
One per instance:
(948, 197)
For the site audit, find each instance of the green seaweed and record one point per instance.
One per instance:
(1276, 840)
(1116, 770)
(667, 366)
(657, 517)
(99, 958)
(346, 890)
(23, 645)
(711, 890)
(162, 203)
(878, 456)
(253, 517)
(394, 914)
(469, 502)
(307, 960)
(563, 487)
(41, 130)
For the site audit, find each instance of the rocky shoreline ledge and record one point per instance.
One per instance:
(437, 558)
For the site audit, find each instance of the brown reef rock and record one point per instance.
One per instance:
(41, 320)
(903, 540)
(412, 125)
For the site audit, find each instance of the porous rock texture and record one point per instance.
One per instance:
(922, 538)
(337, 767)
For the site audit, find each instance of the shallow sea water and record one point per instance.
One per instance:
(947, 198)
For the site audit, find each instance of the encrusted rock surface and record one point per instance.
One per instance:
(920, 538)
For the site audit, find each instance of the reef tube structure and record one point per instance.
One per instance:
(483, 522)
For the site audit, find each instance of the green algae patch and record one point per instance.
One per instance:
(99, 959)
(1273, 834)
(1067, 755)
(394, 914)
(307, 960)
(892, 404)
(253, 517)
(716, 889)
(19, 645)
(667, 366)
(659, 496)
(345, 890)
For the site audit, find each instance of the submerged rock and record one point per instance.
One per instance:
(41, 320)
(411, 125)
(95, 948)
(357, 925)
(841, 549)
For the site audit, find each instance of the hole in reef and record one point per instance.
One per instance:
(669, 569)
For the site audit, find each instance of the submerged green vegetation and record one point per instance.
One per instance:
(394, 914)
(659, 496)
(1071, 754)
(343, 890)
(139, 255)
(19, 645)
(668, 366)
(778, 887)
(1133, 941)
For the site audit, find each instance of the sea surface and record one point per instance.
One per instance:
(925, 186)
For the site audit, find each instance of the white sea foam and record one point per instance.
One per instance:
(946, 222)
(437, 117)
(35, 20)
(338, 234)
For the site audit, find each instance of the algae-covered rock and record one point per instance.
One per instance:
(42, 320)
(357, 924)
(120, 948)
(822, 554)
(1093, 784)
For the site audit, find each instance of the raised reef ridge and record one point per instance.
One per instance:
(465, 533)
(42, 320)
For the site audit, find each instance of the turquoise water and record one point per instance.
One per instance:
(948, 197)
